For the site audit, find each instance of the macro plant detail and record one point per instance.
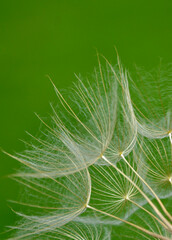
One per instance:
(102, 164)
(153, 111)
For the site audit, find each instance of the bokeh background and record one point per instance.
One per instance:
(60, 38)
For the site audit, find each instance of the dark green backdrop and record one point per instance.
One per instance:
(60, 37)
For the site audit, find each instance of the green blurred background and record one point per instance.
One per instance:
(60, 38)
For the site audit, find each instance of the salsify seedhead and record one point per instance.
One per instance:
(154, 158)
(95, 165)
(48, 202)
(153, 110)
(79, 231)
(106, 124)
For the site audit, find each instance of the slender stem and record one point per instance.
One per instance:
(143, 194)
(131, 224)
(147, 185)
(170, 136)
(151, 214)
